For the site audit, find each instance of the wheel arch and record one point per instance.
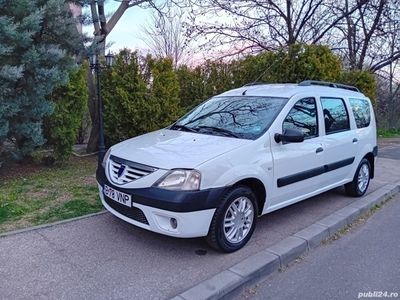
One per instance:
(258, 188)
(371, 158)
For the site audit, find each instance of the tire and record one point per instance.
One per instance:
(361, 180)
(222, 235)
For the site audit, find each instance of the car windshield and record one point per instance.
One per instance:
(246, 117)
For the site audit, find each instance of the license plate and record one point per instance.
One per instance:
(118, 196)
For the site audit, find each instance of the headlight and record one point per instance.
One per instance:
(180, 180)
(106, 156)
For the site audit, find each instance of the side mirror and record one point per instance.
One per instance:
(289, 135)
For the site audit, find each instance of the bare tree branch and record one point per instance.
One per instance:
(164, 35)
(271, 23)
(371, 34)
(386, 62)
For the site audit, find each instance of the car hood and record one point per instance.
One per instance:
(170, 149)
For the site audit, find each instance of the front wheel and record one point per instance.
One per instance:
(234, 220)
(361, 179)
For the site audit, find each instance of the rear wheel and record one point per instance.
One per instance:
(234, 220)
(361, 179)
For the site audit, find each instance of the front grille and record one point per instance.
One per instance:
(130, 212)
(123, 171)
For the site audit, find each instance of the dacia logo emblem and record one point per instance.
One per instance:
(121, 170)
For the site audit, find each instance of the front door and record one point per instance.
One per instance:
(298, 167)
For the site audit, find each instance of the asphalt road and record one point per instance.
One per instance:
(365, 260)
(389, 149)
(103, 257)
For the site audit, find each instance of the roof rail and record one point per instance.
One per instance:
(329, 84)
(255, 83)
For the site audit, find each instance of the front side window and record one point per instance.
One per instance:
(303, 116)
(336, 117)
(245, 117)
(361, 112)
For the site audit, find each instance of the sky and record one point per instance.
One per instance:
(127, 32)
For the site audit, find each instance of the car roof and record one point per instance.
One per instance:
(287, 90)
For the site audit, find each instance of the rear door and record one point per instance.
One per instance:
(339, 141)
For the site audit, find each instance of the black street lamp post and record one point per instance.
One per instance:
(96, 66)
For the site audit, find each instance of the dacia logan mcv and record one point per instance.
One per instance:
(240, 155)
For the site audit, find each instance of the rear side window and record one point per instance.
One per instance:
(336, 117)
(303, 116)
(361, 112)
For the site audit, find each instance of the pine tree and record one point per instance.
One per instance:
(38, 42)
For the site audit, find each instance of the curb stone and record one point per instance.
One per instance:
(288, 249)
(333, 222)
(214, 287)
(33, 228)
(268, 261)
(258, 264)
(349, 213)
(313, 235)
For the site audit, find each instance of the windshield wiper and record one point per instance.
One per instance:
(225, 132)
(182, 127)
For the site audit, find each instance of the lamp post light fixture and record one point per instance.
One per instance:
(109, 59)
(96, 66)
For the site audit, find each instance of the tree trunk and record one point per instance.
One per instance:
(102, 29)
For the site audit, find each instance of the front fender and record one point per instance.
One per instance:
(227, 172)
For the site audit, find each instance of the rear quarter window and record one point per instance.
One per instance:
(361, 111)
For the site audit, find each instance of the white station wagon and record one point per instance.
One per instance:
(240, 155)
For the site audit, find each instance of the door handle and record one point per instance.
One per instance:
(355, 140)
(319, 149)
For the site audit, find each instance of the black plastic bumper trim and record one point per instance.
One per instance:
(300, 176)
(314, 172)
(131, 212)
(339, 164)
(176, 201)
(375, 151)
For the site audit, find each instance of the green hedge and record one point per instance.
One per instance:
(295, 64)
(62, 127)
(139, 95)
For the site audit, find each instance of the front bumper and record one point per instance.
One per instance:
(152, 208)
